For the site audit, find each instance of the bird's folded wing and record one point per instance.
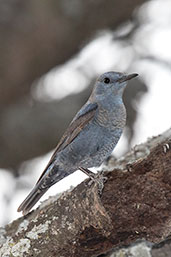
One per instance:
(83, 117)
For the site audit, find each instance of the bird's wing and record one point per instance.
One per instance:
(78, 123)
(83, 117)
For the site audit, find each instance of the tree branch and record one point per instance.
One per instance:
(135, 203)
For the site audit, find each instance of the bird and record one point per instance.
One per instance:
(90, 138)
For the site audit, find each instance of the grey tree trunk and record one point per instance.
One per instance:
(135, 204)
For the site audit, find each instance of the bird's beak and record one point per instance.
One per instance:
(127, 77)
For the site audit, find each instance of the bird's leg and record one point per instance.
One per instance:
(96, 178)
(89, 173)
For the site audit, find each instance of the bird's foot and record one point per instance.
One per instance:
(97, 178)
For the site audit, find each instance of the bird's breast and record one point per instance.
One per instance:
(111, 118)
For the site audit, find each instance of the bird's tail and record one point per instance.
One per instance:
(49, 177)
(32, 199)
(43, 184)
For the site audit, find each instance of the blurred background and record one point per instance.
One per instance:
(50, 55)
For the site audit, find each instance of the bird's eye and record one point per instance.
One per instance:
(106, 80)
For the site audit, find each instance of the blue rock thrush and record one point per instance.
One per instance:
(90, 137)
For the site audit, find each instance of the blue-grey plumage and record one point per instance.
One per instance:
(91, 136)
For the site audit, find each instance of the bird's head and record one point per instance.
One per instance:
(111, 84)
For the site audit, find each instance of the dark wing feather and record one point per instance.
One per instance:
(83, 117)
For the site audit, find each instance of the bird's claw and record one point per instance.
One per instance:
(98, 178)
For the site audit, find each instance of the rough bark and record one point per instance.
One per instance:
(135, 204)
(143, 248)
